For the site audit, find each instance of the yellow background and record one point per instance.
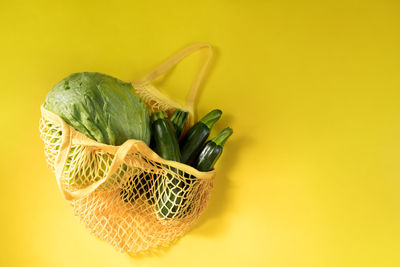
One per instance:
(311, 175)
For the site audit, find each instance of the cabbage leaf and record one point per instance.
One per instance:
(102, 107)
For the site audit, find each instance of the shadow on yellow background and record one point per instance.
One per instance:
(310, 176)
(213, 223)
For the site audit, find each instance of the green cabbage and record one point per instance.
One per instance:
(101, 107)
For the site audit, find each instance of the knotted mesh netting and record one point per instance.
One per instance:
(126, 195)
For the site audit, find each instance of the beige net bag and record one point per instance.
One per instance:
(127, 195)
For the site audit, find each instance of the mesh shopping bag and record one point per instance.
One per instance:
(127, 195)
(155, 100)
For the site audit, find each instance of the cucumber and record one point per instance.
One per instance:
(178, 119)
(197, 135)
(211, 151)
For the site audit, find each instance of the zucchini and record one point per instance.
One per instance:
(152, 143)
(170, 196)
(165, 140)
(178, 119)
(212, 151)
(168, 188)
(134, 189)
(197, 135)
(166, 145)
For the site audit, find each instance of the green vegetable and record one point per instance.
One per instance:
(164, 136)
(197, 135)
(164, 142)
(168, 193)
(170, 197)
(134, 189)
(178, 119)
(101, 107)
(212, 151)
